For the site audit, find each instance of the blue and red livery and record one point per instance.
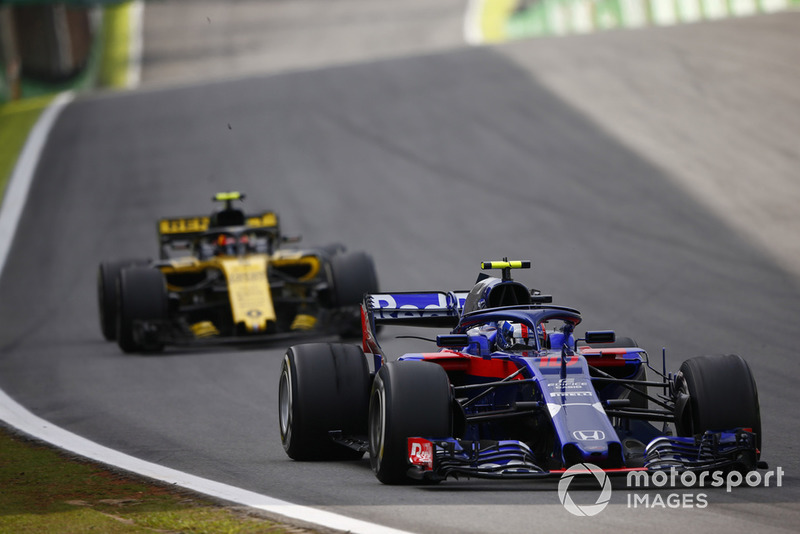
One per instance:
(512, 392)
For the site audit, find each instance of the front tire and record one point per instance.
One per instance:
(142, 296)
(107, 302)
(408, 399)
(716, 393)
(323, 387)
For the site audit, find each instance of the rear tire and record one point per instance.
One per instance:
(351, 275)
(323, 387)
(142, 296)
(722, 395)
(408, 399)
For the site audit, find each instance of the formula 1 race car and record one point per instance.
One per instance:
(226, 278)
(514, 392)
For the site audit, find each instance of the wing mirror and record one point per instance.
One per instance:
(452, 341)
(600, 336)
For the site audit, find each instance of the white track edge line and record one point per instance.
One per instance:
(20, 181)
(15, 415)
(472, 23)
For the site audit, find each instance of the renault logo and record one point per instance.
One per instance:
(589, 435)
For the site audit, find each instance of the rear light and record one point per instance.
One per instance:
(420, 453)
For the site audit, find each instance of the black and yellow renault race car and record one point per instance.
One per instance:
(226, 277)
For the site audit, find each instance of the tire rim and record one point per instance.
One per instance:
(101, 293)
(377, 428)
(285, 402)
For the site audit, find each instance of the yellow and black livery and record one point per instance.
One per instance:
(229, 276)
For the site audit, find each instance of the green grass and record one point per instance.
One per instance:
(42, 490)
(17, 118)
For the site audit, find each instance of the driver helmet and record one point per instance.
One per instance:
(226, 245)
(515, 335)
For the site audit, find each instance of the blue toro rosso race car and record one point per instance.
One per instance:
(513, 392)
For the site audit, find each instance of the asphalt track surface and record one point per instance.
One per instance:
(432, 163)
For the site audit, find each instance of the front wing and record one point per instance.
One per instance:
(154, 333)
(438, 459)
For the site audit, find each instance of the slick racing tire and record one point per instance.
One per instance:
(716, 393)
(323, 387)
(351, 276)
(142, 296)
(107, 304)
(408, 399)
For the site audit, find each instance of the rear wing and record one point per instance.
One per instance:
(192, 226)
(435, 308)
(178, 231)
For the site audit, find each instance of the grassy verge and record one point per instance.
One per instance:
(16, 121)
(42, 490)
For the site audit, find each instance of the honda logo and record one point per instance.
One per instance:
(589, 435)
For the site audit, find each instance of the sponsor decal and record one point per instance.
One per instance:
(239, 277)
(568, 383)
(555, 361)
(266, 220)
(420, 452)
(182, 226)
(411, 305)
(589, 435)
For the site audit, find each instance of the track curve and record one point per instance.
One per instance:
(431, 163)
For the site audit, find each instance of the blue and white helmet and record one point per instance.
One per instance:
(511, 334)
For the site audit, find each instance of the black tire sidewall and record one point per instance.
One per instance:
(408, 399)
(141, 295)
(329, 384)
(352, 275)
(107, 274)
(722, 393)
